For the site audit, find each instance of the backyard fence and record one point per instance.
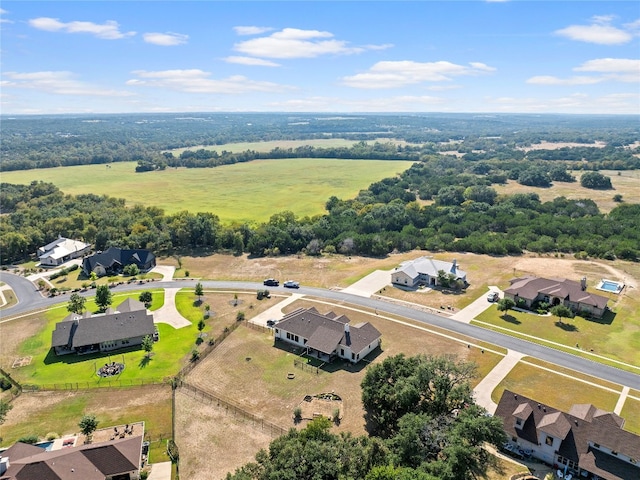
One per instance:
(111, 383)
(260, 328)
(230, 407)
(303, 365)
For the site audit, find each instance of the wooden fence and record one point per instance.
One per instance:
(231, 408)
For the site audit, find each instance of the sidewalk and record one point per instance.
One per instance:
(483, 390)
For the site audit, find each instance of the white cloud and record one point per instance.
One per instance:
(251, 61)
(168, 39)
(405, 103)
(394, 74)
(296, 43)
(59, 83)
(607, 65)
(110, 30)
(198, 81)
(550, 80)
(600, 31)
(248, 30)
(4, 20)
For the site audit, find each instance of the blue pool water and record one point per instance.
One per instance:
(610, 286)
(46, 445)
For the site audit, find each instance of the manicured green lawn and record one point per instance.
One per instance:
(618, 340)
(243, 192)
(47, 369)
(631, 414)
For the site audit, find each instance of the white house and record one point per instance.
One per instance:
(424, 271)
(62, 250)
(328, 336)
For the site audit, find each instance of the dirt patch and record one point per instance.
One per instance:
(558, 145)
(326, 405)
(14, 333)
(204, 436)
(21, 362)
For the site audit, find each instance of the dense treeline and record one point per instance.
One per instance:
(51, 141)
(466, 215)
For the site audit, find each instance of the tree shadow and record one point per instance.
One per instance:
(607, 319)
(144, 361)
(199, 340)
(197, 303)
(567, 327)
(510, 318)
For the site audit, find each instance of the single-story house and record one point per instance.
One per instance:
(114, 259)
(116, 459)
(328, 336)
(586, 441)
(124, 326)
(557, 291)
(62, 250)
(424, 271)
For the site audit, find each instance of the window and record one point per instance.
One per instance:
(549, 440)
(297, 340)
(353, 356)
(518, 421)
(613, 452)
(342, 352)
(596, 445)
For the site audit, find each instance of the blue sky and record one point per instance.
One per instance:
(327, 56)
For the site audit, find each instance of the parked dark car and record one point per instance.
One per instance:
(271, 323)
(271, 282)
(291, 284)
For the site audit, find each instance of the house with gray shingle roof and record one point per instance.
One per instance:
(120, 458)
(328, 336)
(62, 250)
(556, 291)
(114, 259)
(587, 441)
(124, 326)
(424, 271)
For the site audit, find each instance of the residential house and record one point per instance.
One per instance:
(557, 291)
(116, 459)
(62, 250)
(328, 336)
(424, 271)
(114, 259)
(586, 441)
(124, 326)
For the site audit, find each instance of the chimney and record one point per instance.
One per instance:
(347, 334)
(583, 283)
(454, 266)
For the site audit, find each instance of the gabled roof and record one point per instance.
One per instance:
(584, 424)
(61, 247)
(130, 319)
(327, 332)
(530, 287)
(86, 462)
(523, 411)
(431, 267)
(117, 256)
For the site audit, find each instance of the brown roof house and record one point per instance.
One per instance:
(328, 336)
(124, 326)
(586, 442)
(117, 459)
(557, 291)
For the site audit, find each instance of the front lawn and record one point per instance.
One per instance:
(618, 340)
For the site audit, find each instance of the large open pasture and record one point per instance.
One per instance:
(244, 192)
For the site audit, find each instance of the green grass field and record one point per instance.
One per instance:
(244, 192)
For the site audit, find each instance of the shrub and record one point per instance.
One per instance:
(51, 436)
(240, 316)
(297, 414)
(4, 384)
(30, 439)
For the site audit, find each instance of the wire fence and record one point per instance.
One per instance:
(104, 383)
(231, 408)
(303, 365)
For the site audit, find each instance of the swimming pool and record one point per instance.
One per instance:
(46, 445)
(610, 286)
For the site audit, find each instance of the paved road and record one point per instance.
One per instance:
(30, 299)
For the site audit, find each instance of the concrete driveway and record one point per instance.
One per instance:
(478, 306)
(372, 283)
(160, 471)
(275, 312)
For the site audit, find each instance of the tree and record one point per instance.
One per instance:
(4, 410)
(201, 326)
(505, 304)
(595, 180)
(76, 303)
(103, 297)
(561, 312)
(199, 291)
(419, 384)
(131, 270)
(146, 297)
(147, 345)
(88, 425)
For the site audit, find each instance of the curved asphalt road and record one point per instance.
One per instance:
(30, 299)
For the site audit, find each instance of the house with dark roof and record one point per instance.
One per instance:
(114, 259)
(586, 441)
(424, 271)
(328, 336)
(557, 291)
(116, 459)
(62, 250)
(124, 326)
